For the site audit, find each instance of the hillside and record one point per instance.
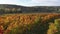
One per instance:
(7, 8)
(15, 19)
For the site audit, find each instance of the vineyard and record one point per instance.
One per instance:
(28, 23)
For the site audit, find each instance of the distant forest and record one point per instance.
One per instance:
(22, 9)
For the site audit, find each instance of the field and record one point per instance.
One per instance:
(37, 23)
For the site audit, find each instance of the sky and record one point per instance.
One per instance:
(32, 2)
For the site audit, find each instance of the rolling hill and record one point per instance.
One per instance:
(8, 8)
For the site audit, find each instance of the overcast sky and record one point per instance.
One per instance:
(32, 2)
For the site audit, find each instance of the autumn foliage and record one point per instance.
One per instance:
(19, 23)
